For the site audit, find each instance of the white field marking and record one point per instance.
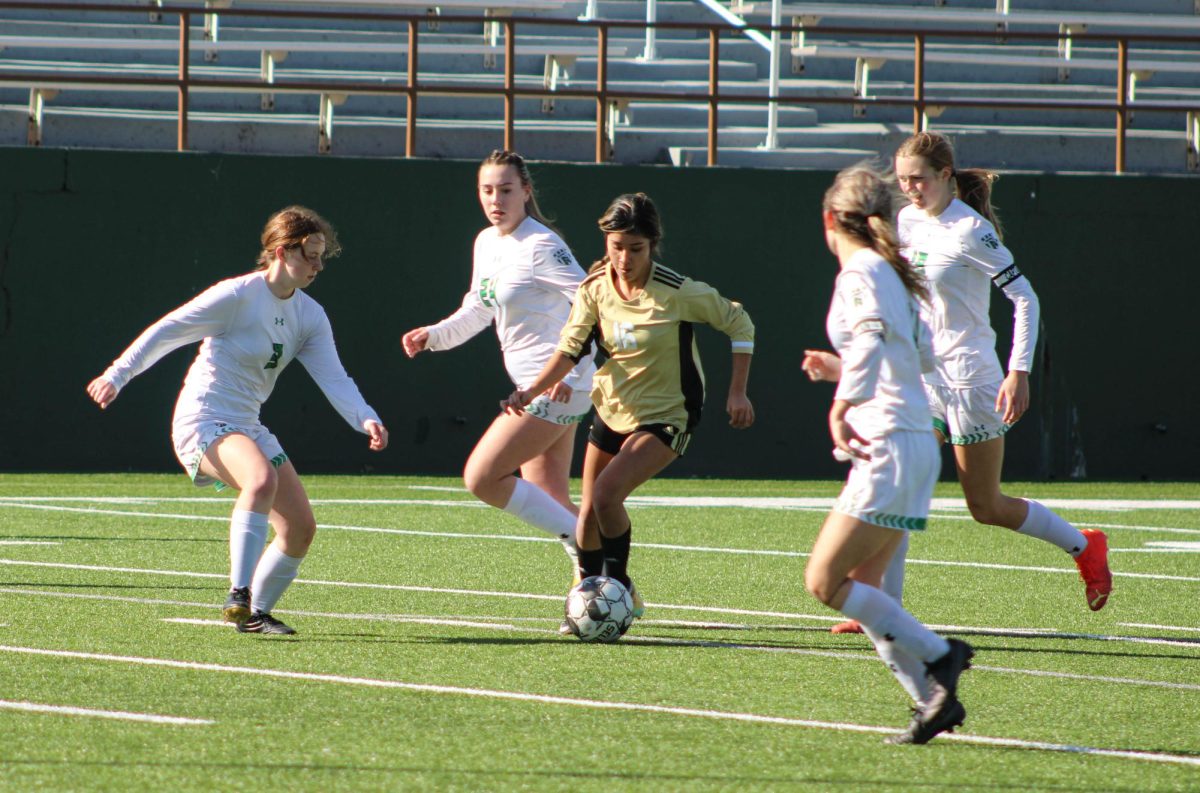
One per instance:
(1158, 627)
(152, 718)
(558, 598)
(27, 542)
(634, 639)
(656, 546)
(522, 696)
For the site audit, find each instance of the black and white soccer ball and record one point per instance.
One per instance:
(599, 609)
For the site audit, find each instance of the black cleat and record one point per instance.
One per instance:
(922, 729)
(564, 628)
(262, 622)
(237, 605)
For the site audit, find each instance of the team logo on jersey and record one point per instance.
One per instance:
(990, 241)
(487, 292)
(564, 257)
(622, 336)
(918, 259)
(277, 352)
(278, 320)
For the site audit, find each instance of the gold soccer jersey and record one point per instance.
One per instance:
(653, 373)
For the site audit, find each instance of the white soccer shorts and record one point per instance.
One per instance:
(193, 438)
(966, 415)
(893, 488)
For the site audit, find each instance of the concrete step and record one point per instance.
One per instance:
(757, 157)
(695, 114)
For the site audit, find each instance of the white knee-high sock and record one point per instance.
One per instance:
(881, 614)
(247, 536)
(893, 577)
(535, 506)
(905, 668)
(1045, 525)
(274, 572)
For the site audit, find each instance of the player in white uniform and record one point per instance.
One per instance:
(524, 280)
(252, 326)
(880, 421)
(956, 243)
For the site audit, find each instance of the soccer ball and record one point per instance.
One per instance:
(599, 609)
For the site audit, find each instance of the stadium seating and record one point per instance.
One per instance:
(869, 72)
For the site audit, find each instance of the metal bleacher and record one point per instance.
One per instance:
(1022, 92)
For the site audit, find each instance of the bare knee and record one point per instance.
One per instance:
(988, 511)
(261, 484)
(820, 585)
(297, 538)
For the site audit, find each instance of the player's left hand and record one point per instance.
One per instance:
(516, 402)
(1013, 399)
(741, 411)
(560, 392)
(378, 434)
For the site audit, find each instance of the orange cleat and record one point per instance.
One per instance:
(1093, 568)
(849, 626)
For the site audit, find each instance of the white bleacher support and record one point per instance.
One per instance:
(37, 101)
(616, 107)
(1193, 140)
(268, 59)
(212, 25)
(651, 17)
(862, 79)
(931, 112)
(558, 67)
(325, 121)
(589, 11)
(772, 141)
(155, 13)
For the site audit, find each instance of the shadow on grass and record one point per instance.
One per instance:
(487, 775)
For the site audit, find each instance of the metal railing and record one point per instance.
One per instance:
(602, 94)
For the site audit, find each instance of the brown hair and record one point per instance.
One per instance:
(289, 227)
(863, 200)
(504, 157)
(973, 185)
(632, 213)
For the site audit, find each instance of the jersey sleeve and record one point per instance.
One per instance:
(319, 356)
(579, 331)
(984, 250)
(863, 358)
(207, 314)
(472, 317)
(555, 268)
(700, 302)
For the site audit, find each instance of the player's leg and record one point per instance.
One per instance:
(847, 544)
(979, 466)
(511, 443)
(295, 528)
(642, 456)
(550, 472)
(587, 534)
(236, 460)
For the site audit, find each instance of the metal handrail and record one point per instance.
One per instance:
(602, 94)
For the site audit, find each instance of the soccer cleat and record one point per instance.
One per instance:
(569, 546)
(1093, 568)
(943, 706)
(564, 628)
(237, 605)
(262, 622)
(921, 729)
(639, 605)
(849, 626)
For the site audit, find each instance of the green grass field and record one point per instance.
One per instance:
(427, 655)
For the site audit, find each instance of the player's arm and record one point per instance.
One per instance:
(574, 343)
(699, 302)
(207, 314)
(475, 313)
(863, 358)
(318, 355)
(822, 365)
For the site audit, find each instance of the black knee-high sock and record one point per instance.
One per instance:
(616, 555)
(591, 562)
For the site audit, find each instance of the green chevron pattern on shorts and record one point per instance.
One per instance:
(977, 437)
(895, 521)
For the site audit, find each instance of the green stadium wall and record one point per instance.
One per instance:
(96, 245)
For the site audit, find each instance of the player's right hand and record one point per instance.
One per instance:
(822, 365)
(102, 392)
(415, 341)
(516, 402)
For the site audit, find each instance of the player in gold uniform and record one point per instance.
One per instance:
(649, 393)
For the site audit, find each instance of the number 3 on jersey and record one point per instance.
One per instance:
(622, 336)
(277, 352)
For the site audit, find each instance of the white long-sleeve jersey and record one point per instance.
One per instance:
(525, 282)
(876, 327)
(249, 335)
(961, 255)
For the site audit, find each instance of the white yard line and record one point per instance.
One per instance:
(656, 546)
(28, 542)
(1158, 627)
(65, 710)
(594, 704)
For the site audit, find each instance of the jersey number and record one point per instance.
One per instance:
(274, 362)
(622, 336)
